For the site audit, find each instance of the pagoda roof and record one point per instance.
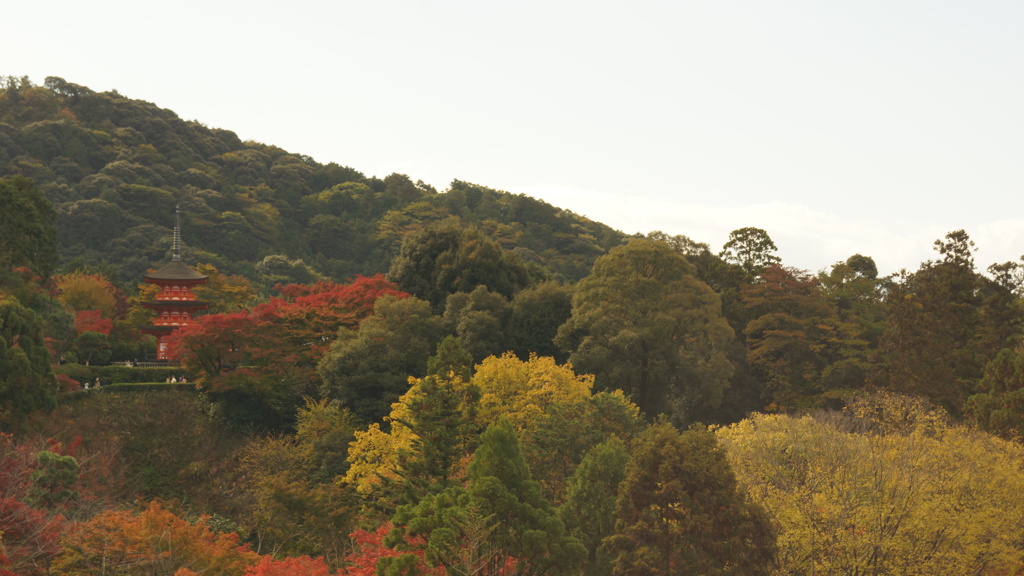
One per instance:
(175, 270)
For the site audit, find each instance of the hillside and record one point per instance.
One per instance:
(524, 392)
(115, 168)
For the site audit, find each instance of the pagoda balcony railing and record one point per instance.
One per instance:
(167, 298)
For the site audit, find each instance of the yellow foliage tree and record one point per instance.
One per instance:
(889, 487)
(225, 292)
(524, 391)
(80, 291)
(373, 454)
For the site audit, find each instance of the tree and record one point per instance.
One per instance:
(940, 334)
(291, 566)
(555, 444)
(523, 391)
(28, 235)
(441, 421)
(27, 382)
(855, 293)
(589, 509)
(501, 513)
(259, 364)
(998, 407)
(479, 318)
(445, 259)
(293, 502)
(888, 487)
(643, 323)
(155, 541)
(81, 292)
(370, 549)
(680, 510)
(224, 292)
(29, 498)
(796, 343)
(537, 313)
(368, 368)
(750, 248)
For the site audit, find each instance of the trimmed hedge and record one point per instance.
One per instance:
(143, 386)
(120, 374)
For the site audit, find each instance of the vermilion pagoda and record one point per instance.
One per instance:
(175, 304)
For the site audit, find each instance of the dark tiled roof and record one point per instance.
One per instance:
(175, 270)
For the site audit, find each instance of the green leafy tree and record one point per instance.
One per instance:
(796, 343)
(999, 405)
(480, 319)
(856, 295)
(441, 420)
(589, 508)
(368, 368)
(499, 520)
(750, 248)
(940, 333)
(680, 511)
(537, 313)
(445, 259)
(28, 236)
(27, 382)
(451, 360)
(643, 323)
(556, 443)
(54, 480)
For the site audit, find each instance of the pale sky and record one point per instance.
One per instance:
(839, 127)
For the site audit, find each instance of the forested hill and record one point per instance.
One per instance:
(115, 168)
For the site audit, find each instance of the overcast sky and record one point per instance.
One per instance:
(869, 127)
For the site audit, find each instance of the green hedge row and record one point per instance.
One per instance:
(120, 374)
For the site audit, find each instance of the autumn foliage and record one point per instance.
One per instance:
(155, 541)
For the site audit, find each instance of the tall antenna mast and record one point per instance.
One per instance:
(176, 246)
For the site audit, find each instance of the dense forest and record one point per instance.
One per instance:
(395, 380)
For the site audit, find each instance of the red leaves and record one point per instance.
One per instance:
(290, 331)
(370, 549)
(92, 321)
(30, 535)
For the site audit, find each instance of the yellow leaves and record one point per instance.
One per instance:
(373, 455)
(887, 488)
(224, 292)
(523, 391)
(79, 291)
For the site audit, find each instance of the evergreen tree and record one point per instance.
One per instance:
(680, 511)
(589, 508)
(499, 521)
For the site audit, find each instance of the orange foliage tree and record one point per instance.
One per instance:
(155, 541)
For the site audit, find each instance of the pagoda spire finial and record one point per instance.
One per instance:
(176, 247)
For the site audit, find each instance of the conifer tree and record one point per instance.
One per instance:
(680, 511)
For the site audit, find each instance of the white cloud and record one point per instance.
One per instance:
(807, 238)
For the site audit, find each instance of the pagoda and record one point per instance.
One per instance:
(175, 303)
